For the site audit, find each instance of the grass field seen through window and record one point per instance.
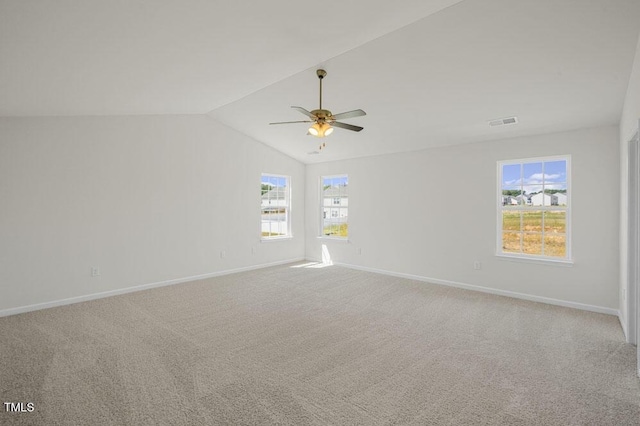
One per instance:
(523, 232)
(336, 230)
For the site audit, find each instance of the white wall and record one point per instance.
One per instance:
(144, 198)
(449, 220)
(628, 128)
(631, 109)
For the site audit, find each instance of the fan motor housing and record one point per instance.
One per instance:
(322, 114)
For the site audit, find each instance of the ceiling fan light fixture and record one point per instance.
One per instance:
(314, 130)
(320, 130)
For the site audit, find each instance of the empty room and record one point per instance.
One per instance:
(336, 213)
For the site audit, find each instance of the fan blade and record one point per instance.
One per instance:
(350, 114)
(304, 111)
(347, 126)
(289, 122)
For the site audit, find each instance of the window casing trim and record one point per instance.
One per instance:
(288, 209)
(321, 199)
(568, 258)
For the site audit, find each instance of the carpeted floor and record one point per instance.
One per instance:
(302, 346)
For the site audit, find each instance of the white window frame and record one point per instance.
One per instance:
(287, 208)
(500, 208)
(331, 207)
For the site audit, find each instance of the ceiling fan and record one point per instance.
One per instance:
(323, 120)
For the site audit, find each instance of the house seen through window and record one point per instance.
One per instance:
(534, 202)
(335, 206)
(275, 214)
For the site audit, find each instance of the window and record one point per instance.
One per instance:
(533, 213)
(335, 206)
(276, 207)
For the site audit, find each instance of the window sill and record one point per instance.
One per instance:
(567, 263)
(272, 239)
(338, 239)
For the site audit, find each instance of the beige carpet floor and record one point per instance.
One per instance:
(316, 346)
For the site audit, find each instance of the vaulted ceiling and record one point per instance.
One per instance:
(428, 73)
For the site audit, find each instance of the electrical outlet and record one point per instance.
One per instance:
(477, 265)
(95, 271)
(223, 254)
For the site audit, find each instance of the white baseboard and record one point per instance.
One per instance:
(516, 295)
(94, 296)
(623, 324)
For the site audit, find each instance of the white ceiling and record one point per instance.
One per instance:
(105, 57)
(428, 73)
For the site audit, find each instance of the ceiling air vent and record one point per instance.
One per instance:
(503, 121)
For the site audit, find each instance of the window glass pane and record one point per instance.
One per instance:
(511, 221)
(329, 228)
(532, 244)
(555, 245)
(555, 222)
(560, 195)
(512, 196)
(268, 225)
(532, 174)
(532, 221)
(511, 242)
(535, 196)
(511, 174)
(270, 230)
(275, 225)
(555, 172)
